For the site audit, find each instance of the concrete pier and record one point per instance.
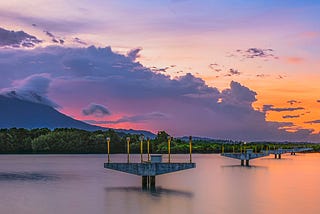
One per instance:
(278, 152)
(247, 156)
(149, 170)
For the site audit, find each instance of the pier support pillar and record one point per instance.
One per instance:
(152, 182)
(145, 182)
(247, 163)
(279, 156)
(242, 162)
(275, 156)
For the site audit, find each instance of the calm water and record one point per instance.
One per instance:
(48, 184)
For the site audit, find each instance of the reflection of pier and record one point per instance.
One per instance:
(247, 155)
(148, 170)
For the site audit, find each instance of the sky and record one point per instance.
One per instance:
(242, 70)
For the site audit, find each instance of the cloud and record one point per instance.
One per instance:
(294, 60)
(233, 72)
(79, 41)
(54, 38)
(252, 53)
(318, 101)
(96, 109)
(34, 88)
(132, 119)
(134, 54)
(187, 105)
(290, 116)
(291, 102)
(17, 39)
(312, 122)
(271, 108)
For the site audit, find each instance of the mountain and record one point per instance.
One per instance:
(19, 113)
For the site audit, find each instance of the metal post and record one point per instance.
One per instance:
(148, 147)
(128, 149)
(169, 142)
(222, 149)
(108, 147)
(141, 147)
(190, 148)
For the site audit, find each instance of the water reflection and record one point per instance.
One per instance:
(27, 176)
(155, 192)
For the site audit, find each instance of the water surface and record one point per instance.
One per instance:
(52, 184)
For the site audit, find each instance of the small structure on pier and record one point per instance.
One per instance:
(148, 170)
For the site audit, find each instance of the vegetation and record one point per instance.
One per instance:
(75, 141)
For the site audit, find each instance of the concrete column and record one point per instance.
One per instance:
(145, 182)
(247, 162)
(275, 156)
(279, 156)
(242, 162)
(152, 182)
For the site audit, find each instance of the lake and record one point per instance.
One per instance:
(63, 184)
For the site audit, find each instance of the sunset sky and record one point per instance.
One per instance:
(236, 69)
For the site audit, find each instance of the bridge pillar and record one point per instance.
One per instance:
(145, 182)
(152, 181)
(242, 162)
(247, 162)
(148, 182)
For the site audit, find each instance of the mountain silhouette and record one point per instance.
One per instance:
(19, 113)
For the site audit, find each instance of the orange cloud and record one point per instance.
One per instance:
(294, 60)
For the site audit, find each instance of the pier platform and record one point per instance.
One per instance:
(245, 157)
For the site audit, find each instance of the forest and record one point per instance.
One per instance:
(75, 141)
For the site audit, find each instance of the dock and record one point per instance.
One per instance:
(148, 170)
(245, 156)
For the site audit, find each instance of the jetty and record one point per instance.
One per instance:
(245, 155)
(150, 168)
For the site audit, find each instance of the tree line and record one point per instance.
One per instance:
(76, 141)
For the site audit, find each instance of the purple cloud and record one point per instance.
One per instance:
(96, 109)
(290, 116)
(33, 89)
(134, 54)
(271, 108)
(252, 53)
(132, 119)
(291, 102)
(17, 39)
(129, 88)
(313, 122)
(233, 72)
